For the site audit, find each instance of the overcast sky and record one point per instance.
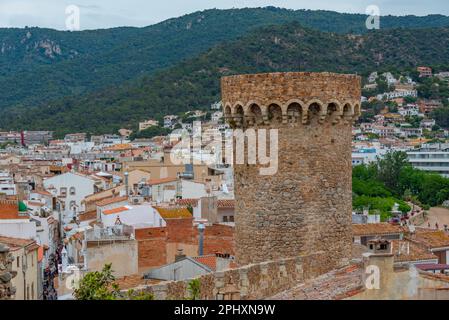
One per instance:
(112, 13)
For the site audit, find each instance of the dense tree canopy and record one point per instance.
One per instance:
(393, 180)
(195, 83)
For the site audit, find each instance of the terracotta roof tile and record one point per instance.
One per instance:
(112, 200)
(89, 215)
(210, 261)
(9, 209)
(115, 210)
(410, 251)
(186, 202)
(17, 243)
(432, 239)
(35, 203)
(226, 203)
(133, 281)
(153, 182)
(374, 229)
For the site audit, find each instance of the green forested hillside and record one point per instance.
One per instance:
(194, 83)
(40, 65)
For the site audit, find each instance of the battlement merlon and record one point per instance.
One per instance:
(292, 97)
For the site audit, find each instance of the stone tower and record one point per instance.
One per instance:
(306, 206)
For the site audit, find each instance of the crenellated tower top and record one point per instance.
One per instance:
(276, 99)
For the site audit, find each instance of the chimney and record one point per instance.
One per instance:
(126, 184)
(201, 228)
(179, 255)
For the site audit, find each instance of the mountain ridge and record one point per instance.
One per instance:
(194, 83)
(53, 64)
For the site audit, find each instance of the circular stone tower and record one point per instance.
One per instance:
(305, 207)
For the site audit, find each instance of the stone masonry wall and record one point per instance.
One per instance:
(251, 282)
(154, 244)
(306, 206)
(6, 274)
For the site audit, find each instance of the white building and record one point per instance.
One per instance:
(170, 121)
(7, 185)
(70, 189)
(391, 80)
(216, 106)
(431, 157)
(397, 94)
(428, 124)
(409, 111)
(216, 116)
(372, 77)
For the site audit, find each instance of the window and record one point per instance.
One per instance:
(28, 293)
(32, 260)
(32, 290)
(18, 262)
(72, 191)
(63, 191)
(231, 218)
(225, 218)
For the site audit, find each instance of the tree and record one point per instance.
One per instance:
(390, 167)
(98, 285)
(441, 116)
(101, 285)
(194, 288)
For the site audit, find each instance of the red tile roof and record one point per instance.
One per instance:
(406, 251)
(115, 210)
(89, 215)
(432, 266)
(210, 261)
(432, 239)
(226, 203)
(375, 229)
(187, 202)
(112, 200)
(153, 182)
(9, 209)
(17, 243)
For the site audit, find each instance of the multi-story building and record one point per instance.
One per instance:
(169, 121)
(427, 106)
(27, 282)
(75, 137)
(7, 185)
(431, 157)
(37, 137)
(424, 72)
(147, 124)
(397, 94)
(70, 189)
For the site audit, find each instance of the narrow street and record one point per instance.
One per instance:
(437, 215)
